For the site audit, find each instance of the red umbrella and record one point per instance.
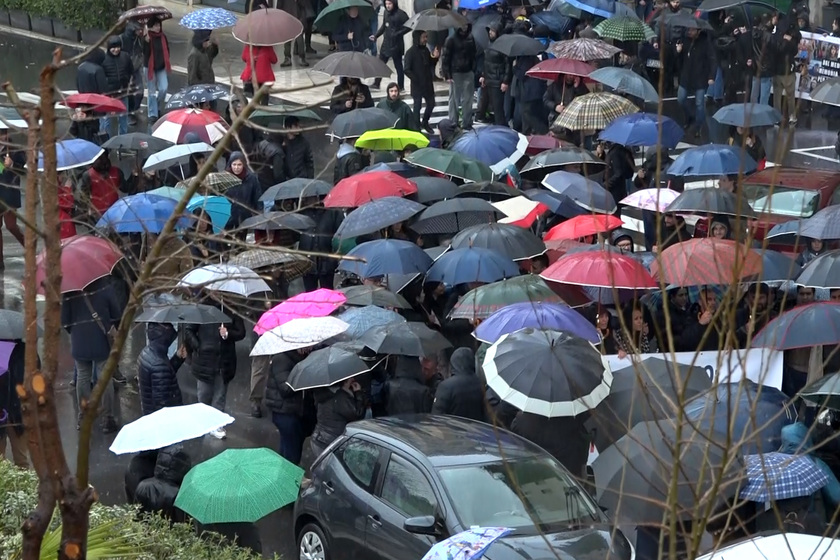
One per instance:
(84, 258)
(707, 261)
(100, 103)
(539, 143)
(583, 226)
(358, 189)
(552, 68)
(602, 269)
(174, 125)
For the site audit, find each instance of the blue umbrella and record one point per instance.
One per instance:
(804, 326)
(777, 267)
(643, 129)
(210, 18)
(73, 153)
(140, 213)
(497, 146)
(624, 80)
(711, 160)
(535, 315)
(471, 264)
(584, 192)
(825, 224)
(475, 4)
(557, 23)
(376, 215)
(217, 207)
(601, 8)
(560, 204)
(779, 476)
(398, 167)
(752, 414)
(386, 256)
(362, 319)
(748, 115)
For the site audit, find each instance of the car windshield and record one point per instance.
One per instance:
(792, 203)
(521, 494)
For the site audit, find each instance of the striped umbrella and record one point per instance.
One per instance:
(174, 126)
(594, 111)
(624, 28)
(583, 49)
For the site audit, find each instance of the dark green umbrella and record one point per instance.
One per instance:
(278, 115)
(330, 16)
(272, 221)
(293, 189)
(451, 164)
(824, 392)
(483, 301)
(362, 296)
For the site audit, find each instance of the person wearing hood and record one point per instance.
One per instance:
(156, 61)
(100, 186)
(336, 407)
(461, 394)
(448, 131)
(348, 160)
(200, 60)
(157, 494)
(245, 197)
(157, 372)
(622, 239)
(393, 45)
(300, 163)
(719, 228)
(352, 32)
(420, 69)
(457, 66)
(393, 102)
(814, 249)
(132, 43)
(696, 61)
(118, 72)
(406, 392)
(90, 76)
(269, 161)
(496, 76)
(349, 94)
(258, 66)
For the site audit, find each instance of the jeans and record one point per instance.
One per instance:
(158, 84)
(213, 393)
(761, 90)
(87, 373)
(419, 97)
(715, 91)
(290, 427)
(122, 124)
(461, 92)
(785, 85)
(699, 104)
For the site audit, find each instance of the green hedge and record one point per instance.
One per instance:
(152, 536)
(81, 14)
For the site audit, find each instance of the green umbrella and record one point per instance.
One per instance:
(451, 164)
(329, 17)
(239, 486)
(485, 300)
(169, 192)
(624, 28)
(278, 117)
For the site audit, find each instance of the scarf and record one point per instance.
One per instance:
(164, 46)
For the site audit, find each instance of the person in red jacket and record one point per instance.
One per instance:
(260, 60)
(100, 186)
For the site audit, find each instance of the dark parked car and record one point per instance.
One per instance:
(390, 488)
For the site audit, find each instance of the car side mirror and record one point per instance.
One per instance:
(421, 525)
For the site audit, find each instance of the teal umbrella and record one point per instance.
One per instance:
(217, 207)
(329, 17)
(239, 486)
(174, 193)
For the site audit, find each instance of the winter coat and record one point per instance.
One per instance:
(279, 397)
(9, 400)
(461, 394)
(497, 68)
(261, 58)
(89, 336)
(245, 197)
(141, 467)
(393, 28)
(132, 43)
(404, 114)
(300, 9)
(406, 393)
(269, 161)
(784, 50)
(90, 77)
(118, 70)
(420, 67)
(300, 163)
(200, 65)
(360, 30)
(210, 355)
(348, 165)
(336, 408)
(459, 54)
(86, 129)
(559, 92)
(342, 92)
(157, 494)
(157, 372)
(697, 63)
(807, 256)
(566, 438)
(620, 168)
(327, 221)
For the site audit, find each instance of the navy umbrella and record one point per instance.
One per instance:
(822, 272)
(386, 256)
(451, 216)
(470, 265)
(513, 242)
(777, 267)
(497, 146)
(376, 215)
(433, 189)
(643, 129)
(825, 224)
(712, 160)
(748, 115)
(584, 192)
(294, 189)
(557, 23)
(560, 204)
(710, 200)
(804, 326)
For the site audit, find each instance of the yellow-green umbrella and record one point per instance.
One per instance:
(391, 139)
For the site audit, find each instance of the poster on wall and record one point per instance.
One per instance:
(818, 60)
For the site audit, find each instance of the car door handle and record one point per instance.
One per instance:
(375, 521)
(328, 486)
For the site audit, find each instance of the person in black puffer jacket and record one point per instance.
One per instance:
(269, 161)
(286, 405)
(461, 394)
(420, 69)
(140, 468)
(393, 45)
(496, 76)
(244, 198)
(90, 76)
(407, 393)
(337, 406)
(300, 163)
(457, 66)
(157, 494)
(157, 373)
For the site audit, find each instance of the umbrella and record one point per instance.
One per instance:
(96, 102)
(267, 27)
(143, 14)
(483, 301)
(140, 213)
(453, 215)
(600, 8)
(535, 169)
(450, 164)
(594, 111)
(804, 326)
(470, 265)
(353, 64)
(295, 189)
(436, 20)
(137, 141)
(698, 262)
(273, 221)
(512, 242)
(218, 182)
(175, 125)
(168, 426)
(353, 124)
(497, 146)
(386, 256)
(187, 313)
(710, 200)
(827, 92)
(641, 392)
(391, 139)
(225, 278)
(376, 215)
(712, 5)
(405, 339)
(559, 204)
(432, 189)
(603, 269)
(553, 68)
(654, 200)
(210, 18)
(520, 211)
(822, 272)
(317, 303)
(711, 160)
(73, 153)
(297, 334)
(217, 207)
(633, 477)
(276, 117)
(779, 476)
(753, 415)
(291, 264)
(584, 192)
(748, 115)
(400, 168)
(178, 154)
(624, 80)
(491, 191)
(84, 259)
(777, 267)
(12, 326)
(549, 373)
(239, 486)
(583, 226)
(824, 392)
(786, 232)
(625, 28)
(539, 143)
(643, 129)
(825, 224)
(688, 21)
(358, 189)
(535, 315)
(196, 95)
(329, 17)
(479, 28)
(361, 319)
(367, 295)
(326, 367)
(514, 44)
(582, 49)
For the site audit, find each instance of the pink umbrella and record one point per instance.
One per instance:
(318, 303)
(650, 199)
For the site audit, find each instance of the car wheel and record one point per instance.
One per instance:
(312, 543)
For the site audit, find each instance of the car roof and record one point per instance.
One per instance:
(810, 179)
(447, 440)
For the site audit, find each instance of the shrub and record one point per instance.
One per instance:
(81, 14)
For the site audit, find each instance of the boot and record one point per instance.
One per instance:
(286, 62)
(428, 128)
(303, 61)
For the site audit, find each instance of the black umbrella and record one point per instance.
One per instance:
(353, 124)
(326, 367)
(513, 45)
(12, 326)
(492, 191)
(361, 296)
(513, 242)
(432, 189)
(688, 21)
(824, 392)
(293, 189)
(405, 339)
(188, 313)
(649, 390)
(556, 159)
(272, 221)
(712, 200)
(451, 216)
(137, 141)
(714, 5)
(822, 272)
(479, 29)
(196, 95)
(353, 64)
(436, 20)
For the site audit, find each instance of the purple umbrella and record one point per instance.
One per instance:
(536, 315)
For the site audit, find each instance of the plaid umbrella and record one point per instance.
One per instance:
(216, 182)
(625, 28)
(292, 265)
(594, 111)
(583, 49)
(778, 476)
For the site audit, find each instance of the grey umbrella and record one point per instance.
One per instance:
(513, 242)
(712, 200)
(557, 159)
(405, 339)
(137, 141)
(451, 216)
(188, 313)
(824, 225)
(491, 191)
(513, 45)
(362, 296)
(279, 220)
(326, 367)
(12, 326)
(822, 272)
(479, 29)
(377, 214)
(292, 265)
(624, 80)
(353, 65)
(433, 189)
(293, 189)
(436, 20)
(353, 124)
(827, 92)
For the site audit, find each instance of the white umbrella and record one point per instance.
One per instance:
(175, 155)
(225, 278)
(297, 334)
(169, 426)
